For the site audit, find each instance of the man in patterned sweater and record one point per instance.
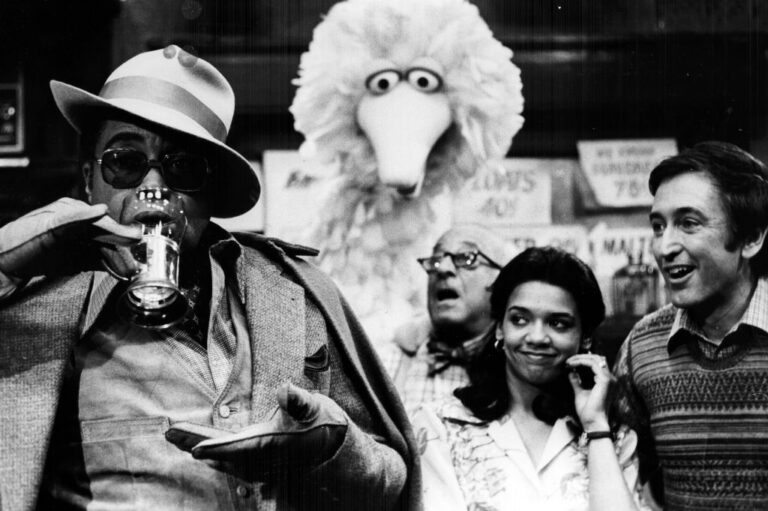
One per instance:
(696, 372)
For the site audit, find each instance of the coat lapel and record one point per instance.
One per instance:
(276, 315)
(37, 330)
(102, 286)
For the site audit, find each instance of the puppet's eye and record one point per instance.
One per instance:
(382, 81)
(424, 79)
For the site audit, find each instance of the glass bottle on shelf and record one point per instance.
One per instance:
(635, 287)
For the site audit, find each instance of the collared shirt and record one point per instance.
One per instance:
(301, 330)
(210, 356)
(756, 316)
(127, 385)
(409, 362)
(699, 407)
(468, 463)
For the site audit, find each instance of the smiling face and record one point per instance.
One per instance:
(458, 299)
(541, 328)
(691, 232)
(155, 144)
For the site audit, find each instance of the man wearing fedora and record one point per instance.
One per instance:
(265, 395)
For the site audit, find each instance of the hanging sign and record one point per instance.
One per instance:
(518, 193)
(572, 238)
(612, 246)
(617, 170)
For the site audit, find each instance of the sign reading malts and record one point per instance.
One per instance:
(518, 193)
(612, 246)
(617, 170)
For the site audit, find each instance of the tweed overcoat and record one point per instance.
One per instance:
(40, 323)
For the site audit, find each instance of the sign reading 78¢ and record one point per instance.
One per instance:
(618, 170)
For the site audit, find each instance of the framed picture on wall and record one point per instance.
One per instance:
(11, 117)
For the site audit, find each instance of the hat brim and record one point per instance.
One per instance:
(234, 189)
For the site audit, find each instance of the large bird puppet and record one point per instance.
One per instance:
(409, 98)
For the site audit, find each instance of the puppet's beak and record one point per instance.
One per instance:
(403, 126)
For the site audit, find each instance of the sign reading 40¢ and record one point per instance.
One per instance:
(520, 192)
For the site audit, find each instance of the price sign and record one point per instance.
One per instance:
(518, 193)
(569, 237)
(612, 246)
(618, 170)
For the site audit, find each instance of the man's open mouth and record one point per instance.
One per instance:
(446, 294)
(678, 272)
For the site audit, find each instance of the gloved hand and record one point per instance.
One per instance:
(306, 430)
(62, 238)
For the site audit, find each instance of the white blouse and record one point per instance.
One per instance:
(470, 464)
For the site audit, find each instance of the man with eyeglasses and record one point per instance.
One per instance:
(266, 395)
(428, 355)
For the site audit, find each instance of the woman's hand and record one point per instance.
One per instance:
(590, 404)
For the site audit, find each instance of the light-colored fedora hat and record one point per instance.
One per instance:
(177, 90)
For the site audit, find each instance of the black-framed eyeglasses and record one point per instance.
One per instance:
(468, 259)
(126, 168)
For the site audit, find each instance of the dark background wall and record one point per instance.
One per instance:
(592, 69)
(41, 40)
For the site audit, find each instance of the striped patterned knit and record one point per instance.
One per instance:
(705, 407)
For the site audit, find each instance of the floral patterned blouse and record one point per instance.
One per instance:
(470, 464)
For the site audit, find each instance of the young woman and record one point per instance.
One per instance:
(530, 433)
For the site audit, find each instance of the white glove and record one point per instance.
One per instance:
(63, 237)
(306, 431)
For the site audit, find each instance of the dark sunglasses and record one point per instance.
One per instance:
(126, 168)
(468, 259)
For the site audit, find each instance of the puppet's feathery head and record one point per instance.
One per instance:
(420, 41)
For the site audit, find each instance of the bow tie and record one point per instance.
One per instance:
(442, 356)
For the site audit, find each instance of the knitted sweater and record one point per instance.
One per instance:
(702, 415)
